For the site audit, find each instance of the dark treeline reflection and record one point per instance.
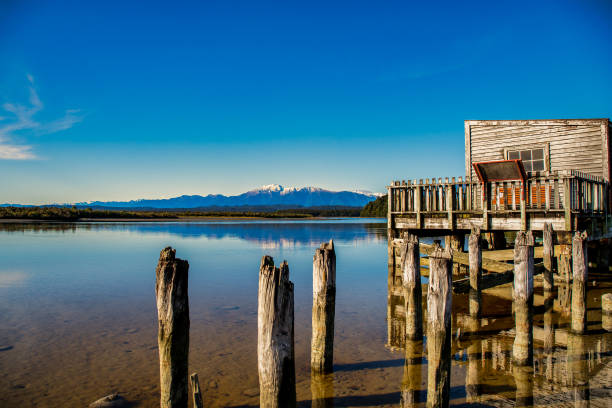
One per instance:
(267, 233)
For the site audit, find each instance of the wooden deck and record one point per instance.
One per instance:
(569, 200)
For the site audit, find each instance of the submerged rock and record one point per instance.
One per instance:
(110, 401)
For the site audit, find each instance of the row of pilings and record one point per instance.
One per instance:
(275, 325)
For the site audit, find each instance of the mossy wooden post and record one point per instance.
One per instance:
(171, 287)
(522, 349)
(322, 389)
(606, 312)
(580, 267)
(275, 343)
(323, 308)
(578, 369)
(475, 257)
(411, 381)
(439, 303)
(195, 389)
(411, 286)
(549, 255)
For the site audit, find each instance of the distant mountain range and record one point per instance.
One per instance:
(269, 196)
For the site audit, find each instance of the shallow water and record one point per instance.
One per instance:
(78, 318)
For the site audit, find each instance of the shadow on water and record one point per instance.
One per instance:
(365, 365)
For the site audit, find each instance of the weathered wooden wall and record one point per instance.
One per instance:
(577, 144)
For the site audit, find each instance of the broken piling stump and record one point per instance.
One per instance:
(323, 308)
(275, 341)
(171, 289)
(411, 287)
(195, 389)
(580, 266)
(439, 303)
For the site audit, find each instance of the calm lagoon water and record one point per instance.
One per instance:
(78, 317)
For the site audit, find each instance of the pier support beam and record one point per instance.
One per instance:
(475, 258)
(455, 242)
(523, 378)
(549, 256)
(439, 303)
(564, 258)
(522, 349)
(171, 290)
(275, 342)
(411, 286)
(322, 389)
(578, 370)
(549, 333)
(580, 266)
(323, 308)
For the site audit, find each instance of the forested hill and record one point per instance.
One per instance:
(376, 208)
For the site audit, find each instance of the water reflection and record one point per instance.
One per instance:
(267, 234)
(520, 354)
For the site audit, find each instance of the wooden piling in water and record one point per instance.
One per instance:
(522, 348)
(455, 242)
(549, 333)
(523, 267)
(411, 381)
(549, 255)
(195, 389)
(564, 258)
(474, 355)
(578, 370)
(523, 378)
(171, 290)
(606, 312)
(439, 303)
(580, 267)
(275, 336)
(475, 257)
(411, 286)
(322, 390)
(323, 308)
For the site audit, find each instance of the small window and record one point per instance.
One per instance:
(533, 159)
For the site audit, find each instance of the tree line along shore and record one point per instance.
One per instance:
(57, 213)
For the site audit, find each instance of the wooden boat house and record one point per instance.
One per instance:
(561, 176)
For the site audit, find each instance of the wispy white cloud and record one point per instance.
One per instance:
(18, 120)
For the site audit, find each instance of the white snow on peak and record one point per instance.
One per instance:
(270, 187)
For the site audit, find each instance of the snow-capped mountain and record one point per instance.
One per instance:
(269, 195)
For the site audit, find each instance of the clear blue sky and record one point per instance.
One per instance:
(108, 101)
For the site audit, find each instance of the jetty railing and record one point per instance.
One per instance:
(567, 192)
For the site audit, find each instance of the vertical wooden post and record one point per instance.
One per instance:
(171, 290)
(323, 308)
(580, 267)
(522, 349)
(475, 258)
(439, 303)
(411, 381)
(455, 242)
(523, 266)
(474, 355)
(567, 203)
(606, 311)
(549, 333)
(411, 283)
(523, 377)
(549, 255)
(197, 394)
(578, 370)
(275, 342)
(322, 390)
